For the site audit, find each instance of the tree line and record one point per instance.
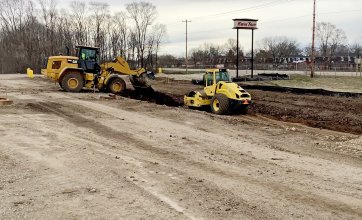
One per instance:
(32, 30)
(331, 43)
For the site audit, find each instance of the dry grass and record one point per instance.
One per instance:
(332, 83)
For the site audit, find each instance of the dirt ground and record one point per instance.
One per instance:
(80, 156)
(329, 112)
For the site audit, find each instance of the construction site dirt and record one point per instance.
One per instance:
(321, 111)
(146, 156)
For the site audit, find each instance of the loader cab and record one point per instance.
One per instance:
(88, 58)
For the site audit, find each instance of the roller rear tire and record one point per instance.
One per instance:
(220, 104)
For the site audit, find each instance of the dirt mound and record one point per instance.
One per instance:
(301, 91)
(334, 113)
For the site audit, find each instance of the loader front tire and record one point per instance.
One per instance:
(117, 86)
(220, 104)
(72, 82)
(61, 86)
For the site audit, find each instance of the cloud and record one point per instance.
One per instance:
(212, 19)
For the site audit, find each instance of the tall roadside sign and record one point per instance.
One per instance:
(249, 24)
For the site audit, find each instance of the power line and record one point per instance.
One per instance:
(251, 8)
(281, 20)
(340, 12)
(307, 15)
(256, 7)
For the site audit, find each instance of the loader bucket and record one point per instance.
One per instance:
(142, 81)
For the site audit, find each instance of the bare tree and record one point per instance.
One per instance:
(198, 56)
(49, 13)
(119, 32)
(29, 33)
(231, 50)
(15, 16)
(143, 15)
(78, 15)
(356, 49)
(64, 34)
(330, 38)
(207, 54)
(132, 45)
(338, 39)
(280, 48)
(324, 34)
(99, 15)
(170, 61)
(214, 52)
(157, 35)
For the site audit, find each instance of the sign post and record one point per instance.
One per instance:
(250, 24)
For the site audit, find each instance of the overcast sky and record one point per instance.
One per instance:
(212, 19)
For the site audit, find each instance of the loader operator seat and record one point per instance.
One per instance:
(88, 59)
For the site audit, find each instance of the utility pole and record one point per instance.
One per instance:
(313, 44)
(252, 53)
(237, 53)
(186, 60)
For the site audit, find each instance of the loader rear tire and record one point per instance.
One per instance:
(117, 86)
(72, 82)
(220, 104)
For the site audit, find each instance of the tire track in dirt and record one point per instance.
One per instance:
(227, 177)
(73, 182)
(292, 195)
(110, 134)
(54, 107)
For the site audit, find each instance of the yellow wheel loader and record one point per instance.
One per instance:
(220, 94)
(73, 73)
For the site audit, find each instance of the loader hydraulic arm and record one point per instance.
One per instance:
(139, 78)
(119, 65)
